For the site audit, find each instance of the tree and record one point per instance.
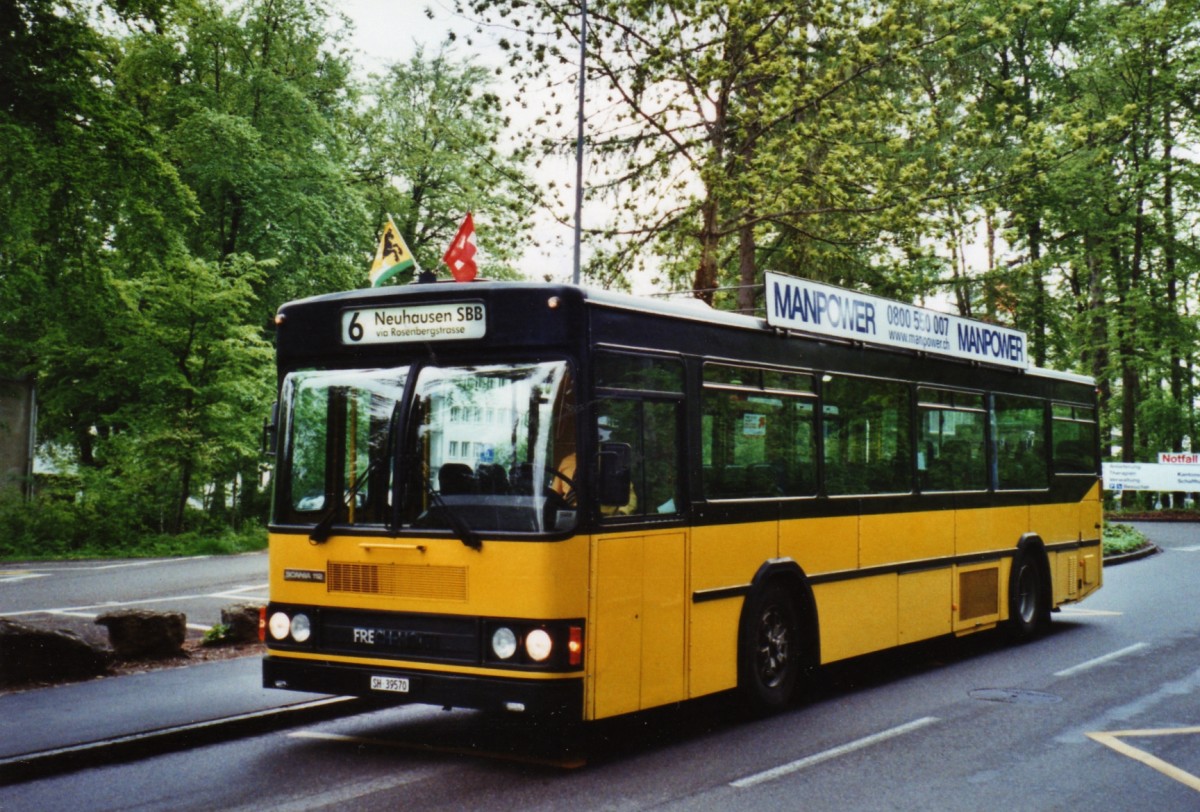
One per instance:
(428, 150)
(192, 423)
(250, 103)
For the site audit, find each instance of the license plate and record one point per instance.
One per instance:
(397, 685)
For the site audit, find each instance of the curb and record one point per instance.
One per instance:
(1137, 555)
(28, 766)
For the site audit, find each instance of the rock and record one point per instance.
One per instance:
(30, 654)
(141, 634)
(242, 621)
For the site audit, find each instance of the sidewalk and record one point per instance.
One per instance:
(79, 724)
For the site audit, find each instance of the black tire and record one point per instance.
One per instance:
(1028, 604)
(771, 658)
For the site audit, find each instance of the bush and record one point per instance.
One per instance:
(1121, 538)
(53, 527)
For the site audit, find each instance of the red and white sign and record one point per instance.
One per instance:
(1178, 458)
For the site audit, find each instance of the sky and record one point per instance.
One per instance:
(387, 30)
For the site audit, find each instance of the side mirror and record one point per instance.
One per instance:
(616, 480)
(270, 431)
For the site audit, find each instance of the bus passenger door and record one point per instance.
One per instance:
(638, 612)
(638, 632)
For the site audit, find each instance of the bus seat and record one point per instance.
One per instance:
(763, 480)
(456, 478)
(733, 480)
(1072, 456)
(521, 478)
(491, 478)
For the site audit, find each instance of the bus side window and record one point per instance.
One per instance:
(866, 436)
(650, 431)
(758, 436)
(1021, 459)
(951, 440)
(1074, 433)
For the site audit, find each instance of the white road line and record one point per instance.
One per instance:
(859, 744)
(200, 627)
(1084, 666)
(1194, 548)
(232, 594)
(11, 577)
(1078, 612)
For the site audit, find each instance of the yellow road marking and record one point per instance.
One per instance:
(1113, 738)
(566, 764)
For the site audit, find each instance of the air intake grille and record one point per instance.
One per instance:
(399, 580)
(978, 593)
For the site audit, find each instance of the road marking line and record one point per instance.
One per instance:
(231, 594)
(1112, 739)
(1075, 669)
(200, 627)
(12, 576)
(817, 758)
(567, 764)
(1194, 548)
(1072, 610)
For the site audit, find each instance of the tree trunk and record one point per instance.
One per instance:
(747, 297)
(705, 283)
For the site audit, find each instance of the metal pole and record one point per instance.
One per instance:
(576, 276)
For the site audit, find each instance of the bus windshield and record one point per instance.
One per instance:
(485, 449)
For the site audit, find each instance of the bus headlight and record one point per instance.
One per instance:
(504, 643)
(279, 625)
(301, 628)
(538, 645)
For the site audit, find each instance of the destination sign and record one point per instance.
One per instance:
(434, 322)
(798, 304)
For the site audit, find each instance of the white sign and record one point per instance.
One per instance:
(1148, 476)
(798, 304)
(436, 322)
(1178, 458)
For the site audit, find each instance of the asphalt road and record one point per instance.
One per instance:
(199, 587)
(1101, 713)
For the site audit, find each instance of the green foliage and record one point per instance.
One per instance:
(436, 125)
(1121, 538)
(173, 172)
(62, 521)
(217, 634)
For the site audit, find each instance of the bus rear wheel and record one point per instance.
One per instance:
(1028, 608)
(771, 658)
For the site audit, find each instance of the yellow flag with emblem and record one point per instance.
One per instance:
(391, 257)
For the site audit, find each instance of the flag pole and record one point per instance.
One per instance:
(576, 275)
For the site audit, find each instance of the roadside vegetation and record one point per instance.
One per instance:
(1121, 538)
(50, 529)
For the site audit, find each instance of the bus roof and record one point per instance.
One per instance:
(684, 307)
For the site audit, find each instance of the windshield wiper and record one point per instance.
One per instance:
(321, 532)
(465, 534)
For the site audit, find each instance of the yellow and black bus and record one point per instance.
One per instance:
(549, 499)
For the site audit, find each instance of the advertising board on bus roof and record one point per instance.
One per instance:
(811, 307)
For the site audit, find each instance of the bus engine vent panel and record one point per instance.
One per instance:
(399, 580)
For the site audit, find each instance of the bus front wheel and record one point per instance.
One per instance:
(771, 659)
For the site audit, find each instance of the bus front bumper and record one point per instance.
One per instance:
(559, 697)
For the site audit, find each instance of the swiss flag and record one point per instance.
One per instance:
(460, 256)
